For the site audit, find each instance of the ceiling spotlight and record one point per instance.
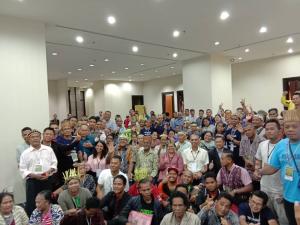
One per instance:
(130, 80)
(113, 72)
(172, 67)
(290, 40)
(240, 58)
(142, 64)
(290, 50)
(79, 69)
(217, 43)
(111, 20)
(79, 39)
(85, 79)
(54, 53)
(247, 50)
(175, 55)
(135, 48)
(176, 33)
(92, 65)
(76, 81)
(126, 68)
(224, 15)
(106, 60)
(69, 72)
(263, 29)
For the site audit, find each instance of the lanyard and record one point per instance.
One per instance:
(195, 157)
(89, 222)
(269, 153)
(253, 217)
(292, 155)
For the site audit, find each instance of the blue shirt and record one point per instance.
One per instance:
(81, 148)
(281, 159)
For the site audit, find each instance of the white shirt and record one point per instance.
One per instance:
(269, 183)
(195, 160)
(37, 161)
(106, 180)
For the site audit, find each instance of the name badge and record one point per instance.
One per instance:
(74, 156)
(289, 172)
(38, 168)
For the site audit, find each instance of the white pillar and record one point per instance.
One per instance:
(24, 90)
(207, 82)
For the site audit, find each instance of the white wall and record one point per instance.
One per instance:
(260, 81)
(58, 98)
(152, 91)
(24, 91)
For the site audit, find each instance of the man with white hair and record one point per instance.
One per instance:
(258, 123)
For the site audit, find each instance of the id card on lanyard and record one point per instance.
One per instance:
(289, 171)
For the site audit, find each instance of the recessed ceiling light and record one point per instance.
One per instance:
(290, 50)
(135, 48)
(85, 79)
(175, 55)
(217, 43)
(172, 67)
(92, 65)
(263, 29)
(247, 50)
(142, 64)
(130, 80)
(126, 68)
(113, 72)
(224, 15)
(176, 33)
(69, 72)
(79, 69)
(111, 20)
(240, 58)
(79, 39)
(54, 53)
(76, 81)
(290, 40)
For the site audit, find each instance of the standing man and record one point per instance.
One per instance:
(286, 158)
(271, 184)
(195, 159)
(22, 147)
(258, 123)
(37, 165)
(199, 119)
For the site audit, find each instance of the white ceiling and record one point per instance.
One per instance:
(149, 24)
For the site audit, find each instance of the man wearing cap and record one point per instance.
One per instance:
(258, 123)
(182, 144)
(286, 158)
(37, 165)
(195, 159)
(167, 187)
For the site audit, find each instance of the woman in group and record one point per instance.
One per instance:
(206, 126)
(11, 214)
(86, 180)
(74, 198)
(220, 128)
(45, 212)
(114, 201)
(207, 143)
(98, 161)
(170, 159)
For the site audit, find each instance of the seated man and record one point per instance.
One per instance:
(187, 179)
(256, 211)
(219, 213)
(180, 215)
(144, 203)
(91, 214)
(234, 179)
(209, 193)
(74, 198)
(166, 188)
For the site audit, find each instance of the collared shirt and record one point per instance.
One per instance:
(111, 125)
(248, 149)
(147, 160)
(106, 180)
(181, 147)
(37, 161)
(188, 219)
(20, 149)
(195, 160)
(210, 217)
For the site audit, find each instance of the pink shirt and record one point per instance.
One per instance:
(95, 164)
(165, 162)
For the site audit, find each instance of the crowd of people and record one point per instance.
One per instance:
(232, 168)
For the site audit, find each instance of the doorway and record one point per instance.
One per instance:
(180, 101)
(168, 102)
(76, 102)
(137, 100)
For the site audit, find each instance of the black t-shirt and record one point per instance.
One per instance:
(147, 208)
(263, 217)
